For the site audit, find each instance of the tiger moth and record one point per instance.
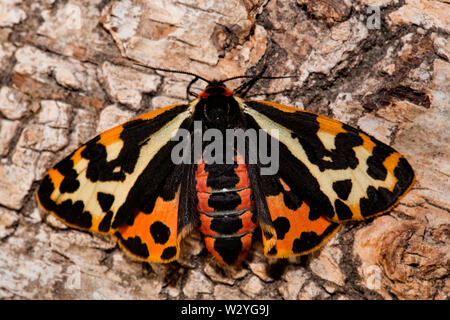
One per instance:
(123, 182)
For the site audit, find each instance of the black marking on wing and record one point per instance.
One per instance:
(159, 178)
(160, 232)
(308, 240)
(297, 176)
(134, 133)
(343, 188)
(305, 128)
(134, 245)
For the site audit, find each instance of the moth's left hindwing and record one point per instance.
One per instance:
(340, 171)
(123, 183)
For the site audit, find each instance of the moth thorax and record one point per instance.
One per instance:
(216, 111)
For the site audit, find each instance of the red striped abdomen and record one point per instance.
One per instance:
(225, 209)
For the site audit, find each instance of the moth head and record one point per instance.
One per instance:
(215, 88)
(218, 104)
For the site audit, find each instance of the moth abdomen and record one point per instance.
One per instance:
(225, 209)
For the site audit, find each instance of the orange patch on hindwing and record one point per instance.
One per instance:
(156, 230)
(290, 224)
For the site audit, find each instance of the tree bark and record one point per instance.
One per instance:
(67, 74)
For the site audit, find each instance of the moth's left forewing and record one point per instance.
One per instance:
(114, 184)
(346, 173)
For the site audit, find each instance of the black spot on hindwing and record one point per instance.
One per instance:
(314, 213)
(134, 245)
(310, 240)
(160, 232)
(168, 253)
(273, 251)
(306, 241)
(282, 227)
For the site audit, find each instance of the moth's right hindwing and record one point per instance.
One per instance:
(116, 179)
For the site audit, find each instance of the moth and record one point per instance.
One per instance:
(125, 183)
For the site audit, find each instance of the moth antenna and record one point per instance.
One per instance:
(173, 71)
(244, 88)
(188, 89)
(252, 77)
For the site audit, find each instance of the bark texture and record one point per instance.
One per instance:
(65, 76)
